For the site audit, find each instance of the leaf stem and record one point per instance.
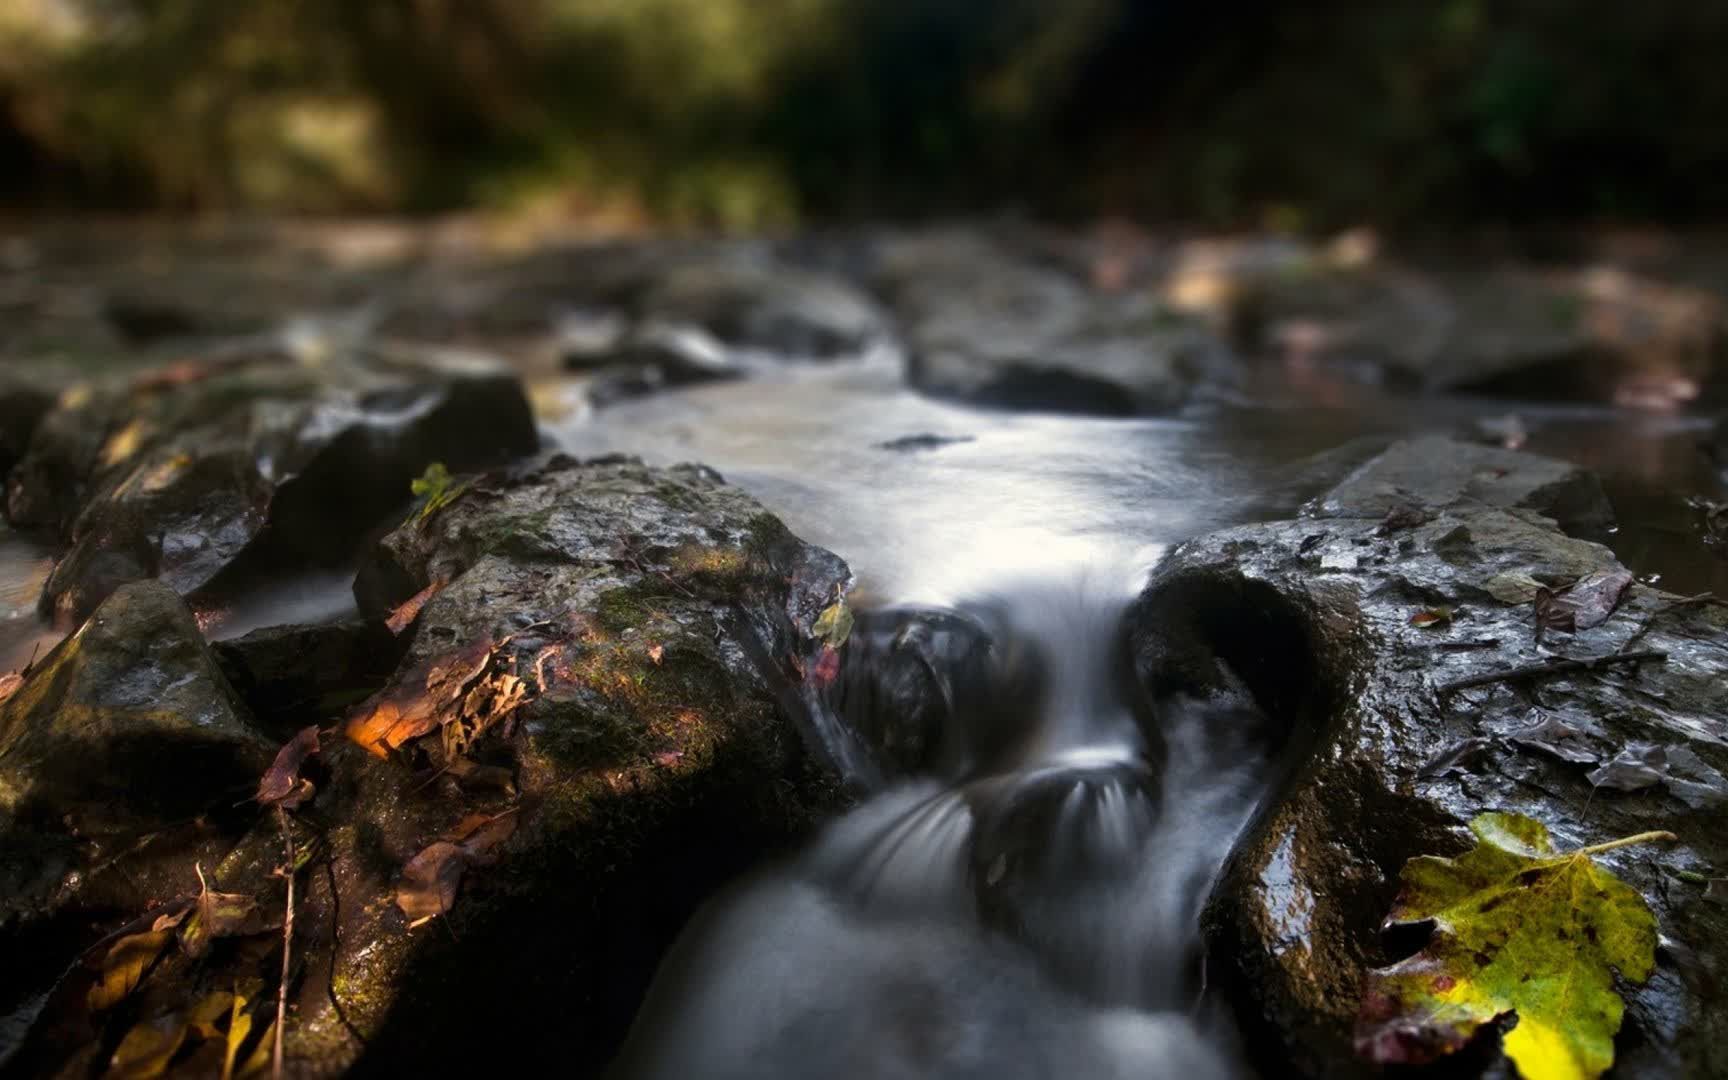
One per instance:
(1627, 841)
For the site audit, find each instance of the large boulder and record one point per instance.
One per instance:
(126, 728)
(1437, 473)
(248, 461)
(1356, 628)
(584, 738)
(985, 326)
(1593, 333)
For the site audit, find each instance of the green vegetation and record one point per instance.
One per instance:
(751, 113)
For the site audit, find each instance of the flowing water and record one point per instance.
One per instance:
(1029, 906)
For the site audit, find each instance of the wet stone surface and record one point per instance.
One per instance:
(585, 719)
(191, 472)
(1316, 617)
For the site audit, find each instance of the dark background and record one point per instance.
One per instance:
(749, 113)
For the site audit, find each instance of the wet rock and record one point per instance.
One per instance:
(1314, 617)
(926, 441)
(766, 307)
(982, 327)
(127, 727)
(249, 460)
(295, 675)
(1592, 334)
(1435, 473)
(23, 404)
(601, 648)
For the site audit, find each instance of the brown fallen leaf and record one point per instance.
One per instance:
(201, 1019)
(282, 783)
(430, 879)
(409, 610)
(125, 966)
(656, 653)
(146, 1050)
(1439, 616)
(218, 915)
(476, 777)
(1586, 603)
(9, 684)
(429, 695)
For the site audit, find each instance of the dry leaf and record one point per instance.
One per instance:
(239, 1024)
(9, 684)
(218, 915)
(125, 966)
(477, 777)
(282, 783)
(429, 881)
(409, 609)
(147, 1048)
(1439, 616)
(656, 653)
(1512, 588)
(201, 1019)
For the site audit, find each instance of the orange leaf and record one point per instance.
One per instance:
(409, 610)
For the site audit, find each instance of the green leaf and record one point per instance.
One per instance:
(435, 488)
(1518, 928)
(834, 625)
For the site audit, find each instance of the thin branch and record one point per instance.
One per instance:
(1560, 665)
(1627, 841)
(287, 944)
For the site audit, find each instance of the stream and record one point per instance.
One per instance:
(1028, 902)
(1032, 908)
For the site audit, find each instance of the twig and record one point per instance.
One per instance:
(287, 944)
(1559, 665)
(1650, 619)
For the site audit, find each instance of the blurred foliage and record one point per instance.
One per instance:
(747, 113)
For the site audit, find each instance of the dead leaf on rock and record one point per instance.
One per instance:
(282, 783)
(240, 1024)
(477, 777)
(147, 1048)
(826, 669)
(1512, 588)
(1459, 756)
(1403, 516)
(9, 684)
(1584, 604)
(218, 915)
(443, 690)
(656, 653)
(1638, 766)
(430, 879)
(1437, 616)
(834, 625)
(125, 966)
(1561, 738)
(409, 610)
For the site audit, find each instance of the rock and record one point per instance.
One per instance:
(762, 306)
(984, 328)
(291, 676)
(126, 727)
(1436, 473)
(1315, 618)
(925, 441)
(23, 403)
(1591, 334)
(249, 460)
(605, 655)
